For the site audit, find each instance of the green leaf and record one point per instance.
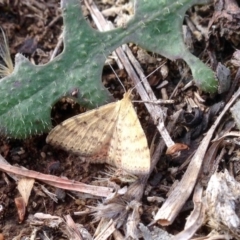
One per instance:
(27, 95)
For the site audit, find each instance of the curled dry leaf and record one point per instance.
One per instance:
(21, 208)
(176, 148)
(222, 201)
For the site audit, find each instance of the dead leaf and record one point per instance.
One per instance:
(21, 208)
(176, 148)
(25, 186)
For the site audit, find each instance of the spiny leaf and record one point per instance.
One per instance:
(28, 94)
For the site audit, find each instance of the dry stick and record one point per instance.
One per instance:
(159, 101)
(56, 181)
(155, 111)
(172, 206)
(160, 147)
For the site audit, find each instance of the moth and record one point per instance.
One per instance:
(110, 134)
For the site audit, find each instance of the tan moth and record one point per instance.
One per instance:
(109, 134)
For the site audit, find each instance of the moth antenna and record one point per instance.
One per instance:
(117, 77)
(131, 90)
(145, 78)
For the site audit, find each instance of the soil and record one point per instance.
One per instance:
(33, 28)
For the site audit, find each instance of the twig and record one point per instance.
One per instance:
(56, 181)
(159, 101)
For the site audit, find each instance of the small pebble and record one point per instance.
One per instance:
(43, 155)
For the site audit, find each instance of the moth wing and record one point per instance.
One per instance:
(87, 134)
(129, 150)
